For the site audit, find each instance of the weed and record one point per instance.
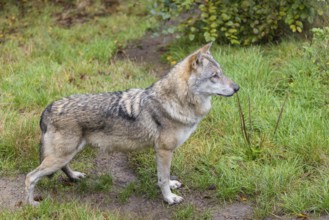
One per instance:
(125, 194)
(101, 183)
(146, 184)
(51, 210)
(189, 211)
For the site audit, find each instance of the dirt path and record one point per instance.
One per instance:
(11, 191)
(148, 51)
(116, 164)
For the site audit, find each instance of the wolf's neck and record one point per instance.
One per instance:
(173, 88)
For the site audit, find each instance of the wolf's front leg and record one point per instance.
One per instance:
(163, 166)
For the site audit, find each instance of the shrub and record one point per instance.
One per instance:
(317, 50)
(237, 21)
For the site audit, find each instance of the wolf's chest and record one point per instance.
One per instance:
(183, 134)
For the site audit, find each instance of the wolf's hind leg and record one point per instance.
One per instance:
(71, 174)
(49, 165)
(58, 151)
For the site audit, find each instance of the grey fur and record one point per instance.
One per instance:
(163, 115)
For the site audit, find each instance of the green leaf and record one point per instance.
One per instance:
(204, 15)
(255, 31)
(207, 36)
(213, 25)
(320, 12)
(229, 23)
(293, 28)
(212, 18)
(299, 24)
(232, 30)
(299, 29)
(233, 41)
(225, 17)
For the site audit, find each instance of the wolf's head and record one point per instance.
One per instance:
(206, 77)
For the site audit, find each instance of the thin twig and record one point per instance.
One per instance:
(276, 216)
(250, 126)
(280, 114)
(243, 125)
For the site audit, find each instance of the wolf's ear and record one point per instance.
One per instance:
(206, 48)
(195, 60)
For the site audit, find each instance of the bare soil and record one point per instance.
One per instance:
(148, 51)
(78, 13)
(12, 195)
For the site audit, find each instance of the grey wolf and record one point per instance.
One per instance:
(162, 116)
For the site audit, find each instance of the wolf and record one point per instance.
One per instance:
(162, 116)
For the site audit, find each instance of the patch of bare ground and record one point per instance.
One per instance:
(147, 51)
(12, 192)
(80, 11)
(12, 195)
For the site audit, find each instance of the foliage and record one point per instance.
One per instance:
(318, 49)
(239, 21)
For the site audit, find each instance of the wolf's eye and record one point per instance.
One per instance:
(215, 76)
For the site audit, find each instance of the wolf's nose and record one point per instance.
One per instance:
(236, 87)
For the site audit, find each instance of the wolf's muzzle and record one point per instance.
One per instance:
(235, 87)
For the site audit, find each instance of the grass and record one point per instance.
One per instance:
(191, 212)
(283, 170)
(53, 210)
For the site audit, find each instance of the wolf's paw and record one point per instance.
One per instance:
(173, 199)
(34, 203)
(174, 184)
(77, 175)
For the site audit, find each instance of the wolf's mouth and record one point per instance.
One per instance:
(225, 95)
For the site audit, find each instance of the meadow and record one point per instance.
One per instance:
(275, 157)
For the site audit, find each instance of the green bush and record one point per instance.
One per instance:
(238, 21)
(318, 50)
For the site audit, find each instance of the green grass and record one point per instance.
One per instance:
(125, 193)
(53, 210)
(190, 212)
(286, 172)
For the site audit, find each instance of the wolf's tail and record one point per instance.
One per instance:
(43, 128)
